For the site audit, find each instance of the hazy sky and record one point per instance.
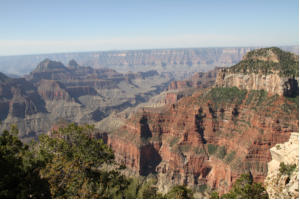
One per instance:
(47, 26)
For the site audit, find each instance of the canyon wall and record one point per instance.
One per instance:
(202, 141)
(206, 140)
(54, 92)
(272, 83)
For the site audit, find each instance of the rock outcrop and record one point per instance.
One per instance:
(284, 186)
(270, 69)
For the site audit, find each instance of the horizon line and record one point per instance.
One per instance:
(144, 49)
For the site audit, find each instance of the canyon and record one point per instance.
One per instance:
(54, 92)
(207, 139)
(181, 123)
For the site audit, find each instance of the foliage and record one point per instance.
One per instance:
(227, 95)
(221, 152)
(179, 192)
(69, 163)
(141, 188)
(289, 105)
(132, 189)
(149, 191)
(214, 195)
(294, 101)
(185, 147)
(198, 150)
(202, 188)
(73, 159)
(257, 96)
(212, 148)
(173, 141)
(243, 188)
(19, 171)
(230, 157)
(287, 64)
(286, 169)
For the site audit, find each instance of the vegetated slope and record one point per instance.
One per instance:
(270, 69)
(55, 92)
(207, 140)
(267, 61)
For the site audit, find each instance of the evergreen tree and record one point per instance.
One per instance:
(244, 188)
(19, 171)
(74, 165)
(179, 192)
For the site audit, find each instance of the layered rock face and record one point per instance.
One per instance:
(19, 100)
(269, 69)
(207, 140)
(197, 80)
(283, 186)
(51, 90)
(272, 83)
(55, 92)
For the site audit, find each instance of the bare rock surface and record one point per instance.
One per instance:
(282, 186)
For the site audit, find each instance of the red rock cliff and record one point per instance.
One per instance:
(210, 138)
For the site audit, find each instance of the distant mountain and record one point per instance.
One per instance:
(180, 62)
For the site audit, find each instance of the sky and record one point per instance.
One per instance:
(53, 26)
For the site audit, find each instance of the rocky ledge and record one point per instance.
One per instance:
(281, 185)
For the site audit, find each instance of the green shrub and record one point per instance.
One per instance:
(214, 195)
(202, 188)
(198, 150)
(245, 188)
(173, 141)
(287, 65)
(286, 169)
(230, 157)
(185, 147)
(226, 95)
(212, 148)
(221, 152)
(179, 192)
